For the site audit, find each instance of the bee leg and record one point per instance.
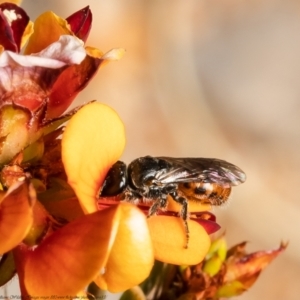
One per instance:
(131, 196)
(159, 203)
(183, 213)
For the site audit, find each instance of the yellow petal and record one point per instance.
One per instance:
(94, 52)
(113, 55)
(11, 1)
(169, 240)
(93, 141)
(27, 33)
(131, 258)
(68, 260)
(15, 215)
(48, 27)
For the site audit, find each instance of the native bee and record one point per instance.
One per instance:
(152, 179)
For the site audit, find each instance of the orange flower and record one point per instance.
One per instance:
(59, 238)
(68, 260)
(33, 92)
(102, 140)
(91, 242)
(87, 164)
(94, 241)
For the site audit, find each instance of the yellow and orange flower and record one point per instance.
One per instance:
(59, 239)
(102, 140)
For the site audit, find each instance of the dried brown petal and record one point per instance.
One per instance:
(247, 268)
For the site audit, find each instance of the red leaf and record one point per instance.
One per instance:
(77, 77)
(12, 37)
(206, 219)
(6, 36)
(81, 23)
(209, 226)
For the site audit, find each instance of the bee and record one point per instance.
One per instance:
(152, 179)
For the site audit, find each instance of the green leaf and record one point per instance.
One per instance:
(231, 289)
(135, 293)
(188, 296)
(60, 200)
(53, 124)
(59, 190)
(34, 151)
(154, 278)
(213, 265)
(7, 268)
(218, 247)
(94, 292)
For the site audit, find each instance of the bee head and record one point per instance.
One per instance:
(115, 181)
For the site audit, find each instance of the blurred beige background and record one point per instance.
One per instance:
(213, 79)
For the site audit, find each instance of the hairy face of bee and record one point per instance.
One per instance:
(206, 193)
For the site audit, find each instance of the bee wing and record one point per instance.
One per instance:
(209, 170)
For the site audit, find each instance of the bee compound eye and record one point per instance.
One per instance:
(115, 181)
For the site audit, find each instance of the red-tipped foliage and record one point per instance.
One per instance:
(12, 32)
(81, 23)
